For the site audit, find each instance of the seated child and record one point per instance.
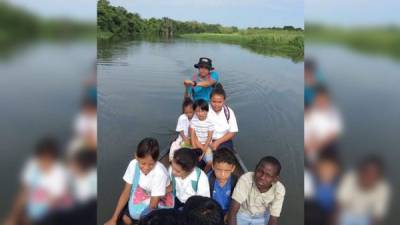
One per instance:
(221, 179)
(187, 179)
(44, 186)
(146, 180)
(327, 171)
(258, 196)
(363, 196)
(182, 127)
(201, 131)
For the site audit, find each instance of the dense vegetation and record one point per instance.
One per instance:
(117, 22)
(383, 40)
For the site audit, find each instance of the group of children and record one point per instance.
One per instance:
(358, 197)
(201, 163)
(254, 198)
(59, 185)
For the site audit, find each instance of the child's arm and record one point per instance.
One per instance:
(233, 210)
(18, 207)
(169, 188)
(273, 220)
(182, 134)
(194, 140)
(123, 199)
(208, 141)
(154, 202)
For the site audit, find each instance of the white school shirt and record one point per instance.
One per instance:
(357, 201)
(320, 124)
(184, 189)
(155, 182)
(44, 185)
(201, 128)
(85, 187)
(85, 124)
(221, 125)
(182, 125)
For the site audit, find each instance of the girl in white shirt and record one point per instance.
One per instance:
(182, 127)
(186, 179)
(146, 180)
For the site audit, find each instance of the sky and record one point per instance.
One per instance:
(80, 10)
(240, 13)
(353, 12)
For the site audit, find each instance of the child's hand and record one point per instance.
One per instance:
(214, 145)
(187, 141)
(188, 83)
(112, 221)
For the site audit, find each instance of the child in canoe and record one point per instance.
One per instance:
(146, 180)
(182, 127)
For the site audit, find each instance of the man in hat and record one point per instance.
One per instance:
(201, 85)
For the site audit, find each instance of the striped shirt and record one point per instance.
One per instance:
(201, 128)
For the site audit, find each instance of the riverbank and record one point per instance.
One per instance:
(266, 41)
(383, 40)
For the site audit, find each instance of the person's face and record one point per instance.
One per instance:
(203, 71)
(146, 164)
(217, 101)
(46, 162)
(327, 171)
(369, 176)
(177, 170)
(89, 110)
(309, 78)
(188, 110)
(322, 101)
(201, 114)
(223, 170)
(265, 176)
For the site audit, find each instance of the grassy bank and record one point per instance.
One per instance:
(274, 42)
(383, 40)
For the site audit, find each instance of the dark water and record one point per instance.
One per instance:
(40, 86)
(366, 90)
(140, 92)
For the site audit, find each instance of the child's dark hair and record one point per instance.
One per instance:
(86, 159)
(47, 146)
(204, 210)
(271, 160)
(187, 158)
(224, 155)
(218, 90)
(322, 90)
(309, 64)
(163, 217)
(187, 102)
(203, 104)
(373, 160)
(148, 146)
(88, 102)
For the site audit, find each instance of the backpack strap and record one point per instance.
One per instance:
(227, 113)
(211, 181)
(195, 184)
(173, 185)
(234, 180)
(136, 178)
